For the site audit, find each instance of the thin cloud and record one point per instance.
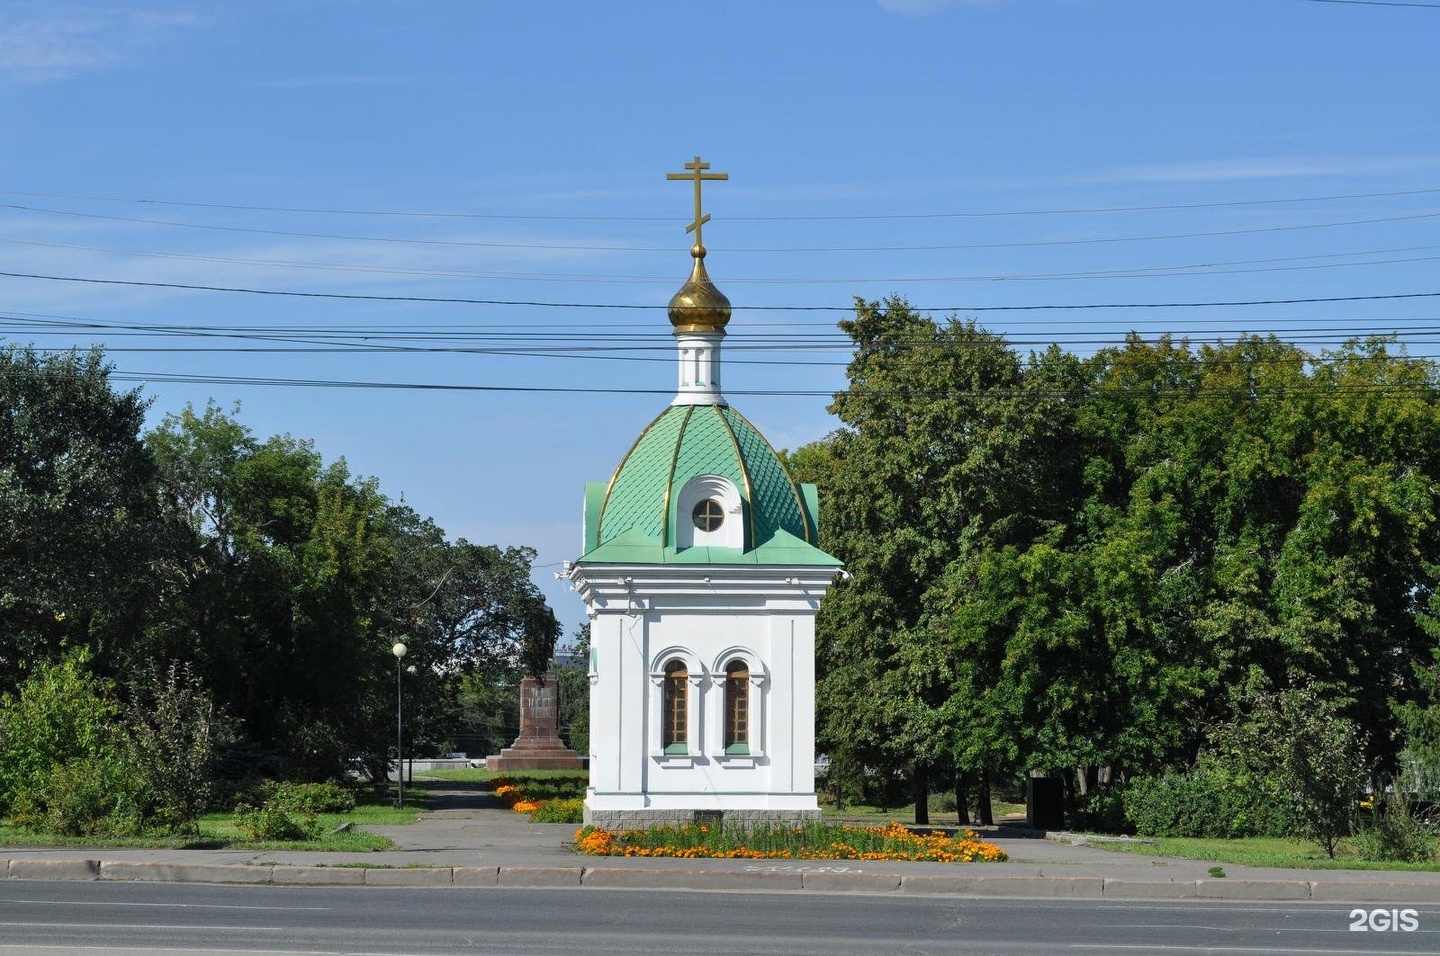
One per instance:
(1251, 169)
(928, 8)
(305, 82)
(60, 43)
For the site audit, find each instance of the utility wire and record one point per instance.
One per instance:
(1382, 3)
(1184, 270)
(1246, 392)
(734, 250)
(1079, 210)
(457, 300)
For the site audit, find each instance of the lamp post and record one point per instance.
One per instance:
(399, 651)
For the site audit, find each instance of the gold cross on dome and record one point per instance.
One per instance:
(697, 174)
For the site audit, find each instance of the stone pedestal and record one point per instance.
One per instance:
(539, 746)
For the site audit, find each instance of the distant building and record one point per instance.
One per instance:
(701, 575)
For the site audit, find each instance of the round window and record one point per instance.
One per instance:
(708, 515)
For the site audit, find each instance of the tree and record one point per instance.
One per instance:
(936, 448)
(574, 691)
(276, 604)
(1086, 566)
(172, 737)
(1299, 742)
(79, 528)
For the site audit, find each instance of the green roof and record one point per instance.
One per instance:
(632, 519)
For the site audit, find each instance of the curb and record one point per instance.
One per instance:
(615, 877)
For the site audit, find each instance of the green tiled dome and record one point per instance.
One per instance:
(633, 518)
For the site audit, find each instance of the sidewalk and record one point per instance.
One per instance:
(469, 838)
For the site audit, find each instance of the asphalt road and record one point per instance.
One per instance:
(57, 919)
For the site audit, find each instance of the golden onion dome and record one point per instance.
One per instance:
(699, 306)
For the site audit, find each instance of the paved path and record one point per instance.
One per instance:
(469, 838)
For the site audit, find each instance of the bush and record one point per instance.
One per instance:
(61, 713)
(1293, 766)
(1398, 835)
(86, 797)
(312, 798)
(1175, 804)
(1212, 800)
(172, 736)
(272, 821)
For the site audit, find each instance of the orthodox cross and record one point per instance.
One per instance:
(698, 174)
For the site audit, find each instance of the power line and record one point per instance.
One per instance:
(524, 303)
(732, 250)
(1183, 270)
(1247, 392)
(1382, 3)
(1076, 210)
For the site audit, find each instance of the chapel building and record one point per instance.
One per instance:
(701, 575)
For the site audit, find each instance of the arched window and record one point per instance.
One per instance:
(675, 708)
(737, 707)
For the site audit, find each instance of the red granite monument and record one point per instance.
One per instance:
(539, 746)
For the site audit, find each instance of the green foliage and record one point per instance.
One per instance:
(1067, 566)
(1300, 740)
(574, 694)
(76, 762)
(301, 578)
(1398, 834)
(1209, 801)
(552, 785)
(567, 810)
(102, 796)
(172, 737)
(1291, 766)
(80, 535)
(273, 821)
(310, 798)
(62, 713)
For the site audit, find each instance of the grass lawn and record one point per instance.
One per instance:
(222, 831)
(1259, 851)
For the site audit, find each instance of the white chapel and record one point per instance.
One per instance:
(701, 575)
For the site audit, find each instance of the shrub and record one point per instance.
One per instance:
(1175, 804)
(60, 713)
(1303, 746)
(273, 821)
(172, 736)
(312, 798)
(86, 797)
(1211, 800)
(1398, 835)
(1292, 767)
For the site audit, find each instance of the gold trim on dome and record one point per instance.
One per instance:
(699, 306)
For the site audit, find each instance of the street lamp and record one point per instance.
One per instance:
(399, 651)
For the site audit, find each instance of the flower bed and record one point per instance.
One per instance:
(817, 841)
(559, 810)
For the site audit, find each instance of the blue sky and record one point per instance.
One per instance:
(974, 157)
